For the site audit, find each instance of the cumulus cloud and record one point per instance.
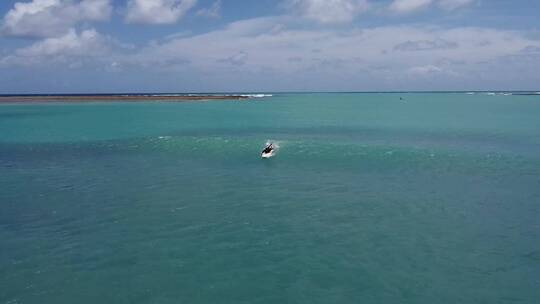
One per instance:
(86, 44)
(328, 11)
(49, 18)
(290, 50)
(367, 57)
(288, 56)
(157, 11)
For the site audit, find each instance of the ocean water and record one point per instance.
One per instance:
(370, 199)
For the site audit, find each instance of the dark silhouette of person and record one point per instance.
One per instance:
(268, 148)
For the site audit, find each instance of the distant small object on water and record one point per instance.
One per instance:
(268, 151)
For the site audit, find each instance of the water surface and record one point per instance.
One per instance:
(370, 199)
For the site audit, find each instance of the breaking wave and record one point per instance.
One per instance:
(256, 95)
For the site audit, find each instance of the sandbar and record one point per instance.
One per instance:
(115, 97)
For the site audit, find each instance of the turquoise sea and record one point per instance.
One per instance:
(370, 199)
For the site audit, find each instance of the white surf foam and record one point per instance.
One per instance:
(256, 95)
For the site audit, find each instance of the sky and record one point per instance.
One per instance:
(117, 46)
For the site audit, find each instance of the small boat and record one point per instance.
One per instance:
(268, 151)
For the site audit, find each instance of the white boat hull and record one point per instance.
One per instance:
(267, 155)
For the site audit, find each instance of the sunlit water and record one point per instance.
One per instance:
(370, 199)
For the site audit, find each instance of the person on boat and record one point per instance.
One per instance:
(268, 148)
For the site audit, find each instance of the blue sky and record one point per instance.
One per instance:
(101, 46)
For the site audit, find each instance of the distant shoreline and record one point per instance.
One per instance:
(89, 98)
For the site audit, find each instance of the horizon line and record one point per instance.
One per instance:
(269, 92)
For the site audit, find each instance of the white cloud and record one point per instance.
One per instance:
(157, 11)
(239, 58)
(328, 11)
(86, 44)
(274, 48)
(252, 51)
(407, 6)
(425, 45)
(410, 6)
(49, 18)
(278, 52)
(212, 12)
(425, 70)
(454, 4)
